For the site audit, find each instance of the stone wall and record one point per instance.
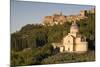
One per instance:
(59, 18)
(81, 47)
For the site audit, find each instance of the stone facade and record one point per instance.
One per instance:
(73, 42)
(59, 18)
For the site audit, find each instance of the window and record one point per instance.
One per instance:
(83, 39)
(68, 49)
(68, 41)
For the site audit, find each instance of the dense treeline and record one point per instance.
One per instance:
(32, 43)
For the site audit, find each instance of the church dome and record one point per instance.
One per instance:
(74, 28)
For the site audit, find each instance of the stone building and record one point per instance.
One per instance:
(92, 11)
(73, 42)
(59, 18)
(78, 17)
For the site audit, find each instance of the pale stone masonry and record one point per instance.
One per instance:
(73, 42)
(59, 18)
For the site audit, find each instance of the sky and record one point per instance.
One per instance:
(25, 12)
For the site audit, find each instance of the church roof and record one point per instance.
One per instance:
(74, 25)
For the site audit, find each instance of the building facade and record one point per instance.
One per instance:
(59, 18)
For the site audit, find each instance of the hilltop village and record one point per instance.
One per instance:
(59, 18)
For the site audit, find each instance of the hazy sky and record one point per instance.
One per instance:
(23, 13)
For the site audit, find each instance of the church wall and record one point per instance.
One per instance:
(68, 43)
(61, 49)
(77, 40)
(81, 46)
(67, 40)
(69, 48)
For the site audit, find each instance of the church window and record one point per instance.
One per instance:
(82, 39)
(68, 49)
(68, 41)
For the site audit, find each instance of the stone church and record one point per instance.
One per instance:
(73, 42)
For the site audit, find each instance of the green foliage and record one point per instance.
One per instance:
(69, 57)
(31, 56)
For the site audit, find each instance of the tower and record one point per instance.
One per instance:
(83, 13)
(74, 29)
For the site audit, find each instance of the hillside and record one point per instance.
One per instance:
(32, 44)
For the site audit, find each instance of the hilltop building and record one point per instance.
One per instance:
(59, 18)
(73, 42)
